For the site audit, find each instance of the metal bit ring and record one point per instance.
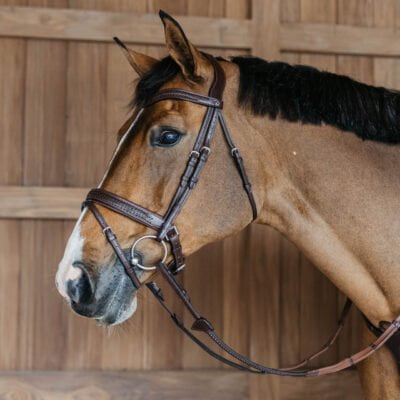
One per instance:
(135, 261)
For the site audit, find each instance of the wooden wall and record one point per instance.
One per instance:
(63, 91)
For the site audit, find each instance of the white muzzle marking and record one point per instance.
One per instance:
(73, 252)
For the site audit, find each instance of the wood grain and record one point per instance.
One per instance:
(90, 25)
(339, 39)
(12, 78)
(220, 33)
(10, 274)
(264, 258)
(341, 386)
(40, 202)
(166, 385)
(263, 245)
(85, 138)
(44, 119)
(290, 316)
(41, 341)
(160, 385)
(265, 18)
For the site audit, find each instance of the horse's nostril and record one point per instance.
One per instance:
(80, 290)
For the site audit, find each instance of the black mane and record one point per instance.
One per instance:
(301, 93)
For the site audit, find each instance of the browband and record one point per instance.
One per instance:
(180, 94)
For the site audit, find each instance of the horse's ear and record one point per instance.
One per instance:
(191, 61)
(140, 62)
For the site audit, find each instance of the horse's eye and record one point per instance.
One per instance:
(168, 137)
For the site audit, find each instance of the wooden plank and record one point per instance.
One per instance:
(266, 22)
(11, 266)
(384, 13)
(40, 202)
(119, 92)
(90, 25)
(175, 7)
(205, 8)
(356, 12)
(12, 80)
(235, 292)
(237, 8)
(263, 258)
(13, 2)
(290, 11)
(263, 245)
(387, 72)
(318, 11)
(41, 309)
(360, 68)
(44, 119)
(290, 316)
(340, 386)
(339, 39)
(86, 136)
(318, 310)
(43, 164)
(165, 385)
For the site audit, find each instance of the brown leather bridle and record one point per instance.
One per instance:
(165, 229)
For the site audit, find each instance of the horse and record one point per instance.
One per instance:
(320, 150)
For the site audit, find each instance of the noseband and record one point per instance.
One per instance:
(167, 232)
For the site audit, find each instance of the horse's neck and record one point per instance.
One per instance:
(337, 198)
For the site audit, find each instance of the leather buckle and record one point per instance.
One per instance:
(173, 230)
(234, 150)
(109, 233)
(194, 152)
(107, 228)
(205, 150)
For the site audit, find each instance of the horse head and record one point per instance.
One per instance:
(146, 168)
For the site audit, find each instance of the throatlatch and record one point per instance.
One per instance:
(166, 231)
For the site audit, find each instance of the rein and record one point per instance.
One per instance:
(166, 231)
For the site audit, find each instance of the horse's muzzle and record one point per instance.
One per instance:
(107, 295)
